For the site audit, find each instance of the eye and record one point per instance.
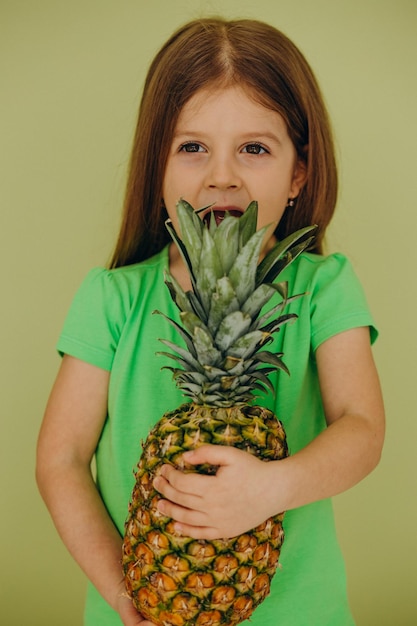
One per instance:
(191, 146)
(255, 148)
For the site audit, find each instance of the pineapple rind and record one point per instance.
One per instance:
(164, 570)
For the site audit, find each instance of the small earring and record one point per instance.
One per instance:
(290, 203)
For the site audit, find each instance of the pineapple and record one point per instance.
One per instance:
(175, 580)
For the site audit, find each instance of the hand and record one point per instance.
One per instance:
(232, 502)
(128, 614)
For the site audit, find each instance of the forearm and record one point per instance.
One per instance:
(84, 525)
(340, 457)
(350, 447)
(245, 490)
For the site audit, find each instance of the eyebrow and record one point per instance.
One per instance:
(247, 136)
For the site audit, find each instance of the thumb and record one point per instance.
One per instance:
(211, 454)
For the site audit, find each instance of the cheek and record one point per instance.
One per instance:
(170, 182)
(174, 188)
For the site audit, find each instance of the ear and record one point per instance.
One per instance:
(299, 176)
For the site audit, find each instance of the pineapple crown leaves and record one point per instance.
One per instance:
(225, 334)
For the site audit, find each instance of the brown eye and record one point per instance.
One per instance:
(255, 148)
(190, 147)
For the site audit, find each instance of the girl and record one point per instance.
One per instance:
(230, 113)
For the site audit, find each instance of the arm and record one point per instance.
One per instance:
(68, 438)
(240, 497)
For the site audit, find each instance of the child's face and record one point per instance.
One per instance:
(228, 150)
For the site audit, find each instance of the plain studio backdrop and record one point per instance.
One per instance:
(71, 78)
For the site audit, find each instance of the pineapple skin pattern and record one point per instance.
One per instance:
(178, 581)
(174, 580)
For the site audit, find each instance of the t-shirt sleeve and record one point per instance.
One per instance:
(338, 301)
(93, 324)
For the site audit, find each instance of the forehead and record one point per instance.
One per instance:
(232, 104)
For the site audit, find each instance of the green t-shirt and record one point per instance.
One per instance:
(110, 325)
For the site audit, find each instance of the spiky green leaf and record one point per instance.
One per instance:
(243, 272)
(177, 294)
(223, 302)
(234, 365)
(187, 358)
(248, 223)
(231, 328)
(196, 306)
(270, 266)
(192, 229)
(182, 249)
(245, 346)
(258, 299)
(264, 356)
(210, 270)
(183, 333)
(191, 321)
(261, 376)
(213, 372)
(275, 311)
(207, 353)
(193, 377)
(226, 239)
(276, 324)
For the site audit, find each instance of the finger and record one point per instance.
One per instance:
(181, 514)
(175, 496)
(197, 532)
(211, 454)
(187, 483)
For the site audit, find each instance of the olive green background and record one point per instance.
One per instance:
(71, 75)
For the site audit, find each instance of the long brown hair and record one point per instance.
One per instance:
(219, 52)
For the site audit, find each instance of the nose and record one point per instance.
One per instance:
(222, 173)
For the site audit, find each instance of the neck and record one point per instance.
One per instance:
(177, 268)
(268, 245)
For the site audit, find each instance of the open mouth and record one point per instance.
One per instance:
(219, 215)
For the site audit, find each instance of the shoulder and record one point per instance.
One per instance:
(110, 294)
(132, 274)
(314, 273)
(333, 293)
(123, 282)
(103, 303)
(321, 267)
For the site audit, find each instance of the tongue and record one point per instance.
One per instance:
(219, 215)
